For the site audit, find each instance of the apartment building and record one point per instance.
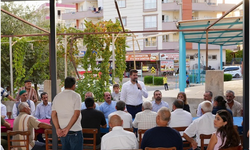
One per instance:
(159, 50)
(60, 9)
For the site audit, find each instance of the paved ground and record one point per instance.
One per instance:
(194, 93)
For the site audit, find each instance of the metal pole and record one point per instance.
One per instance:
(11, 68)
(53, 74)
(113, 55)
(65, 51)
(182, 63)
(246, 56)
(134, 52)
(221, 57)
(199, 62)
(206, 50)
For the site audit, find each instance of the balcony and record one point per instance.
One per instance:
(170, 6)
(76, 1)
(81, 15)
(170, 45)
(203, 5)
(169, 26)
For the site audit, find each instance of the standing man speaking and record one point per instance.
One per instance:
(132, 92)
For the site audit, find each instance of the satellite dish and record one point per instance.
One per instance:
(196, 55)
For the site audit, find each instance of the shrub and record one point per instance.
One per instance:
(192, 78)
(158, 80)
(228, 77)
(148, 79)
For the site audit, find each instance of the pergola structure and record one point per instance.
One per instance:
(185, 35)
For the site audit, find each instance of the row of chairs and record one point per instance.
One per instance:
(48, 137)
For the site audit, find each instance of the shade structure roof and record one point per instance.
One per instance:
(222, 37)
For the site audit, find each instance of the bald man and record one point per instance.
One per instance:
(162, 135)
(118, 138)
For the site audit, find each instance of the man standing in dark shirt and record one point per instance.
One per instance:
(162, 136)
(92, 118)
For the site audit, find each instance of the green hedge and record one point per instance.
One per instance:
(228, 77)
(158, 80)
(148, 79)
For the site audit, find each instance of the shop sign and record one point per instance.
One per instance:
(143, 57)
(169, 56)
(144, 68)
(167, 65)
(139, 72)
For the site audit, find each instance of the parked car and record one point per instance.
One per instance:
(235, 71)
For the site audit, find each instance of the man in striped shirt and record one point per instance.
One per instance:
(30, 91)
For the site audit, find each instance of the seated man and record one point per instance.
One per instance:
(233, 105)
(162, 136)
(180, 117)
(145, 119)
(126, 117)
(89, 94)
(201, 125)
(158, 103)
(108, 106)
(208, 95)
(43, 110)
(25, 122)
(23, 98)
(4, 142)
(92, 118)
(3, 111)
(118, 138)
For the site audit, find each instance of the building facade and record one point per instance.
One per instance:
(144, 15)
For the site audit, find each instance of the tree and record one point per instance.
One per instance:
(96, 59)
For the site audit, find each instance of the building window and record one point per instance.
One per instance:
(164, 18)
(191, 57)
(149, 4)
(212, 57)
(124, 20)
(165, 38)
(150, 42)
(150, 22)
(121, 3)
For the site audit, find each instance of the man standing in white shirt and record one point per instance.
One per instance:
(132, 92)
(126, 117)
(145, 119)
(158, 103)
(208, 95)
(118, 138)
(233, 105)
(201, 125)
(66, 116)
(180, 117)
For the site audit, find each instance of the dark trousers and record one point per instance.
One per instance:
(72, 141)
(39, 146)
(166, 86)
(133, 110)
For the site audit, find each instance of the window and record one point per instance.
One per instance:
(191, 57)
(164, 18)
(165, 38)
(121, 3)
(149, 4)
(150, 42)
(150, 22)
(124, 20)
(212, 57)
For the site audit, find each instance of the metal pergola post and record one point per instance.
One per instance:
(182, 62)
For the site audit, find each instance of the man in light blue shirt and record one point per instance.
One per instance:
(43, 109)
(108, 106)
(89, 94)
(158, 103)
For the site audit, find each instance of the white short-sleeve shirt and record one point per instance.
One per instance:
(65, 104)
(126, 117)
(180, 118)
(201, 125)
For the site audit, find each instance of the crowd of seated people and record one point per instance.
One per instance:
(156, 117)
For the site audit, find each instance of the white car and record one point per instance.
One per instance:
(235, 71)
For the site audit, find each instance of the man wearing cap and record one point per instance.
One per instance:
(31, 93)
(23, 98)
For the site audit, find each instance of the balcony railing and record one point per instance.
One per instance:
(171, 1)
